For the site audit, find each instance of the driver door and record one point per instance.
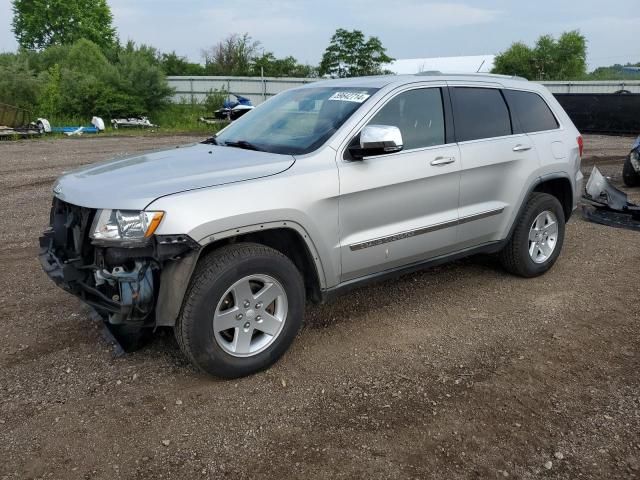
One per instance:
(401, 208)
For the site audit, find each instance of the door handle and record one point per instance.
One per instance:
(521, 148)
(439, 161)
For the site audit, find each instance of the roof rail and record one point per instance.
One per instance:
(490, 75)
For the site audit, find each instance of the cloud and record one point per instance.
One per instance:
(427, 16)
(261, 20)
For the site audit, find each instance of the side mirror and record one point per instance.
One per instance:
(377, 140)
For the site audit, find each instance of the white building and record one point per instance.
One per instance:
(470, 64)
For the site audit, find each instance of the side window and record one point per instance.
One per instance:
(532, 111)
(480, 113)
(419, 116)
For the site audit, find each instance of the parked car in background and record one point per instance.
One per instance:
(320, 189)
(631, 167)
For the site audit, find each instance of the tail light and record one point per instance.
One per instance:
(580, 144)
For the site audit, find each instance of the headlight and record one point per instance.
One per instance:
(124, 225)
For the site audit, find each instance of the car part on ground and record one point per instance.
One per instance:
(631, 167)
(132, 122)
(232, 110)
(607, 205)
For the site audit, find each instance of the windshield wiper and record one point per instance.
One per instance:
(211, 141)
(242, 144)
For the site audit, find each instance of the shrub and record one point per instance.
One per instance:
(215, 100)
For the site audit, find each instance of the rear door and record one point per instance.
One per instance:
(540, 124)
(401, 208)
(497, 162)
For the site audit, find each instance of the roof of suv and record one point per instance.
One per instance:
(384, 80)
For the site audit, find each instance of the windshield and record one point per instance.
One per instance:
(296, 121)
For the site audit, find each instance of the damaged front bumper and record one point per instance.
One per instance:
(606, 205)
(121, 283)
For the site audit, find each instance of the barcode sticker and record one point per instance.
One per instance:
(357, 97)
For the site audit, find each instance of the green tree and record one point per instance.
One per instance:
(38, 24)
(281, 67)
(141, 77)
(350, 55)
(215, 100)
(19, 83)
(616, 72)
(173, 64)
(232, 56)
(549, 59)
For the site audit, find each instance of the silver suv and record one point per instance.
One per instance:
(320, 189)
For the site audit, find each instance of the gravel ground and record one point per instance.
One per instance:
(460, 371)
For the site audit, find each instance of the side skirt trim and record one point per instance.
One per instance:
(423, 230)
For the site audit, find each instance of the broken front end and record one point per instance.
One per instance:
(112, 260)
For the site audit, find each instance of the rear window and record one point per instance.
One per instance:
(480, 113)
(532, 111)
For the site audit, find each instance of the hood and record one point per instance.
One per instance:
(136, 181)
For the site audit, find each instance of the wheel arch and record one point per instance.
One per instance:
(560, 187)
(289, 238)
(556, 184)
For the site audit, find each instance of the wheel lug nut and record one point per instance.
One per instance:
(259, 305)
(247, 304)
(258, 318)
(239, 316)
(247, 325)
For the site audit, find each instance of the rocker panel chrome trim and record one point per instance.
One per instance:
(423, 230)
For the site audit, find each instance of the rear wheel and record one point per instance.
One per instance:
(630, 177)
(242, 310)
(537, 238)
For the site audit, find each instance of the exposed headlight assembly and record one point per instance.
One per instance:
(124, 225)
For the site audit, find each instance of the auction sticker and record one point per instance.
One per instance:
(357, 97)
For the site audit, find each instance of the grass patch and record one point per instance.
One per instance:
(174, 119)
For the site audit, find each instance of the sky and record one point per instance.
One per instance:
(407, 28)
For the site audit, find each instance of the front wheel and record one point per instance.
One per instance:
(537, 238)
(243, 308)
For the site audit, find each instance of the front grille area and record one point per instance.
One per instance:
(70, 226)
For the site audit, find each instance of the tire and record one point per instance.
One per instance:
(516, 257)
(630, 177)
(216, 296)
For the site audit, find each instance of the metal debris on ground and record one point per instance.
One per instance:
(606, 205)
(132, 122)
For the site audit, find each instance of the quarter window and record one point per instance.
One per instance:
(532, 111)
(419, 116)
(480, 113)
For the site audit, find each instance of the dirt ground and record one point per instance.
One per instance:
(460, 371)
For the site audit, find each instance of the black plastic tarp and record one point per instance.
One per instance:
(613, 113)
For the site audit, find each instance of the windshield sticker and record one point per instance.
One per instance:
(357, 97)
